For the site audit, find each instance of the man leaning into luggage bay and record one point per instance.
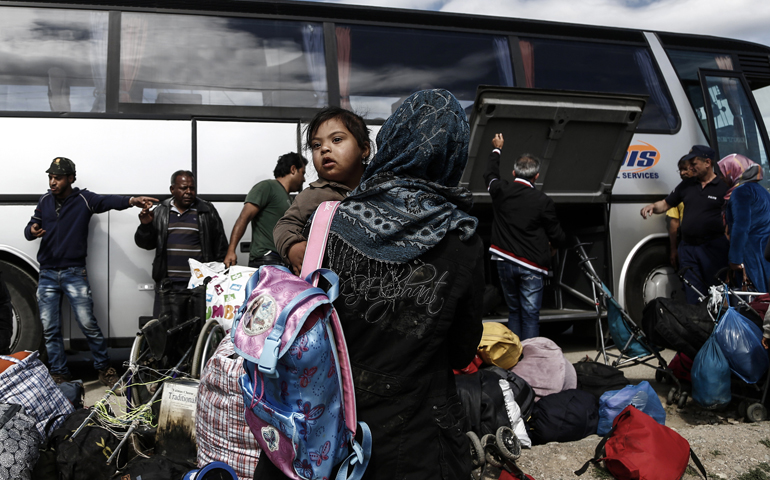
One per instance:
(61, 222)
(524, 229)
(703, 247)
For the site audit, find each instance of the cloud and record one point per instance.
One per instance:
(742, 19)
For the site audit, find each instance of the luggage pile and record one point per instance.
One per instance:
(719, 350)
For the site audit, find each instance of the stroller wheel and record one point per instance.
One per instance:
(743, 408)
(682, 400)
(492, 454)
(661, 377)
(756, 412)
(672, 396)
(508, 443)
(477, 451)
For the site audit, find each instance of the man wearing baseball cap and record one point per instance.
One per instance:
(704, 246)
(61, 222)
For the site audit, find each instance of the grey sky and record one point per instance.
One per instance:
(742, 19)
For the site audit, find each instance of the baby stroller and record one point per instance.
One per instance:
(624, 344)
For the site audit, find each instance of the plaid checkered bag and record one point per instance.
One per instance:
(28, 383)
(220, 427)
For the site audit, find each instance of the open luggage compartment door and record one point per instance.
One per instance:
(581, 139)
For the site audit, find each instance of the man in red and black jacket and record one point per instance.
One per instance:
(524, 231)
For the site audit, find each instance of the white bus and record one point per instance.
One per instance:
(132, 91)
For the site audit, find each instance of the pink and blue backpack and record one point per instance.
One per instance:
(298, 386)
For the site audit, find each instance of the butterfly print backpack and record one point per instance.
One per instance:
(298, 386)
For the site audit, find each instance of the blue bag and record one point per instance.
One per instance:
(711, 376)
(641, 396)
(741, 344)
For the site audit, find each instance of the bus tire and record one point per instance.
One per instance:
(27, 333)
(644, 264)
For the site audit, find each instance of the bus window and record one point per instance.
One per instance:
(52, 60)
(201, 60)
(687, 63)
(762, 97)
(732, 117)
(600, 67)
(379, 67)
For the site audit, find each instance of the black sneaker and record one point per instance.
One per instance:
(61, 377)
(109, 377)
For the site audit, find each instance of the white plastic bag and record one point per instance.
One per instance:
(514, 414)
(225, 292)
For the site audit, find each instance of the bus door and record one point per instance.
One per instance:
(581, 139)
(731, 117)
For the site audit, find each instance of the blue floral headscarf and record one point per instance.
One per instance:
(408, 198)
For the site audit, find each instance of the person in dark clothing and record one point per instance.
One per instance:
(61, 222)
(524, 231)
(6, 319)
(704, 247)
(411, 285)
(181, 227)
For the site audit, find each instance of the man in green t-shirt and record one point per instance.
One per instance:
(264, 206)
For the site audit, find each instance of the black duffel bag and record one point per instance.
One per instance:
(566, 416)
(597, 378)
(678, 326)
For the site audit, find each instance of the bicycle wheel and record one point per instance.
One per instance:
(208, 341)
(148, 372)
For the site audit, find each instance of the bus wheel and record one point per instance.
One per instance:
(650, 275)
(27, 331)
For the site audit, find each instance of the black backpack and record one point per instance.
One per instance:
(563, 417)
(482, 398)
(597, 378)
(85, 457)
(156, 467)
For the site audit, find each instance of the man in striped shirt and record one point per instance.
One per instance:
(181, 227)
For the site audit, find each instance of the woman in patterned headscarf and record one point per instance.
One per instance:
(747, 216)
(411, 283)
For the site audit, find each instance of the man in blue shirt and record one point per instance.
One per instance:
(61, 222)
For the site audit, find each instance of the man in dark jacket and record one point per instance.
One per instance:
(61, 222)
(180, 228)
(524, 228)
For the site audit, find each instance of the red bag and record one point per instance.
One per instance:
(639, 448)
(681, 366)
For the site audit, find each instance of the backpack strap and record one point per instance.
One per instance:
(359, 459)
(271, 350)
(319, 233)
(697, 463)
(599, 453)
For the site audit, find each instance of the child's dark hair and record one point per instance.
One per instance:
(286, 161)
(354, 123)
(683, 164)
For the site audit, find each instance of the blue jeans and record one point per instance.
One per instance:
(523, 292)
(73, 282)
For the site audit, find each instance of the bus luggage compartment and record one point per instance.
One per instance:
(581, 139)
